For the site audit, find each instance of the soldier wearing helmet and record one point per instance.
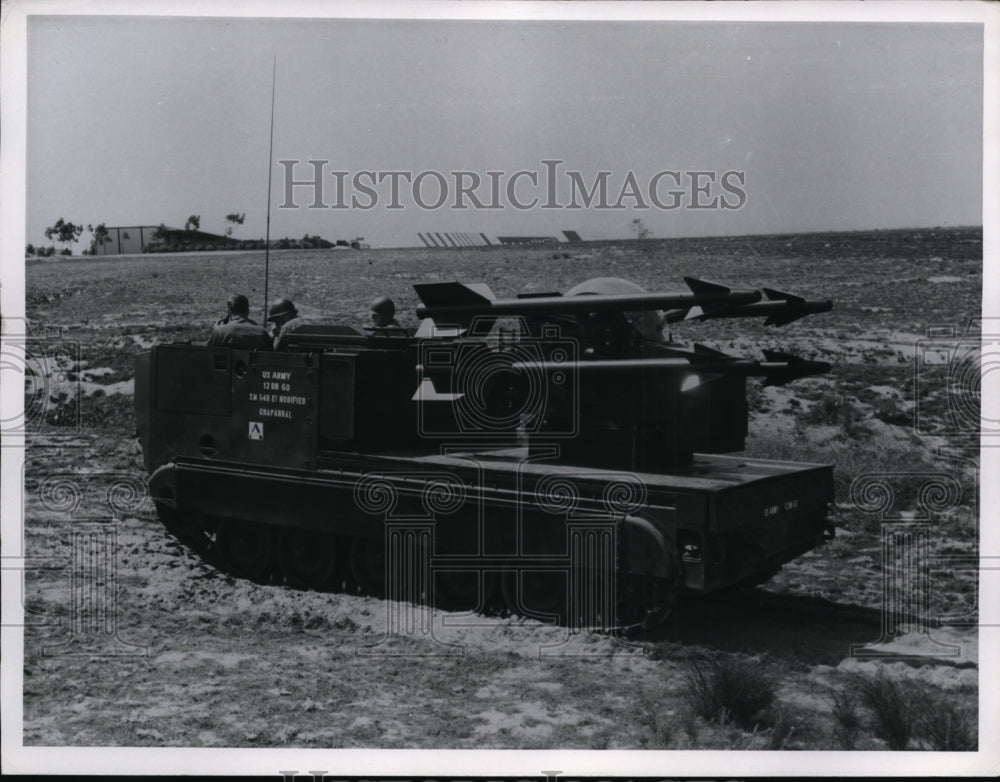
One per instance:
(283, 319)
(383, 311)
(237, 330)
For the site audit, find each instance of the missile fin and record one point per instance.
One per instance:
(795, 367)
(428, 329)
(704, 351)
(794, 307)
(780, 355)
(773, 295)
(674, 315)
(783, 318)
(450, 294)
(426, 392)
(703, 286)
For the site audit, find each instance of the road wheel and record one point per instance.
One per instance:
(463, 590)
(245, 547)
(368, 565)
(645, 603)
(307, 558)
(188, 527)
(646, 578)
(536, 593)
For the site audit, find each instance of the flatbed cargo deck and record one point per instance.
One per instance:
(485, 512)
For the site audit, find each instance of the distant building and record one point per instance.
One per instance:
(453, 239)
(124, 240)
(527, 240)
(459, 239)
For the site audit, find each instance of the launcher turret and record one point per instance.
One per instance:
(588, 377)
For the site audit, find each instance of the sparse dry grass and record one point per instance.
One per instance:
(833, 409)
(851, 458)
(302, 643)
(723, 689)
(903, 714)
(659, 726)
(848, 718)
(890, 704)
(946, 727)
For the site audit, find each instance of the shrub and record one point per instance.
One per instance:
(901, 713)
(659, 725)
(845, 711)
(836, 410)
(828, 410)
(889, 410)
(726, 688)
(891, 705)
(944, 726)
(782, 728)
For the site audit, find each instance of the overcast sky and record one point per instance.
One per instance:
(829, 126)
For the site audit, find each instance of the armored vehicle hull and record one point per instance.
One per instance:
(319, 466)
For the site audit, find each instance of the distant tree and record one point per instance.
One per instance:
(160, 234)
(236, 219)
(641, 231)
(64, 232)
(101, 237)
(29, 250)
(193, 223)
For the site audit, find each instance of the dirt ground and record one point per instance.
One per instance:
(177, 653)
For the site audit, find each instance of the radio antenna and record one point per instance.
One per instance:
(270, 170)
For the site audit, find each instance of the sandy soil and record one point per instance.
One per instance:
(185, 655)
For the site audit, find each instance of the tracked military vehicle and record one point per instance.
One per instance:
(549, 454)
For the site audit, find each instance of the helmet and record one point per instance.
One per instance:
(280, 308)
(238, 304)
(384, 306)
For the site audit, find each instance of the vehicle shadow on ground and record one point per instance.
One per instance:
(794, 628)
